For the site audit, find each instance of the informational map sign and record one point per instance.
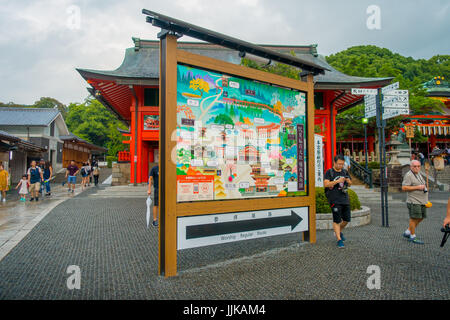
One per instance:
(238, 138)
(205, 230)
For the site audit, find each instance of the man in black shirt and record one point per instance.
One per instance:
(153, 180)
(336, 182)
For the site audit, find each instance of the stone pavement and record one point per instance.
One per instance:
(117, 255)
(17, 219)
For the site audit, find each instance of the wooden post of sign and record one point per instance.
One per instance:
(410, 134)
(167, 196)
(410, 150)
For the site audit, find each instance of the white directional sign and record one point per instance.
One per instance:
(392, 99)
(318, 152)
(364, 91)
(397, 93)
(370, 114)
(390, 87)
(396, 105)
(394, 102)
(205, 230)
(370, 106)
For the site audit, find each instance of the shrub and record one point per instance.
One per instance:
(109, 160)
(322, 205)
(355, 204)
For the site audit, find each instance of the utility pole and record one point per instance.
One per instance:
(365, 121)
(380, 127)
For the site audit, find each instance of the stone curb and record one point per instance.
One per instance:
(324, 221)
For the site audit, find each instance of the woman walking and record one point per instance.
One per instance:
(48, 173)
(96, 173)
(3, 182)
(84, 175)
(347, 159)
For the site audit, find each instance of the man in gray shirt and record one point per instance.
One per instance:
(417, 196)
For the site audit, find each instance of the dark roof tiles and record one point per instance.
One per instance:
(27, 116)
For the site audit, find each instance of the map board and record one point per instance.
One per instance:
(238, 138)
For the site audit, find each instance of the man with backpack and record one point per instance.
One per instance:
(336, 182)
(35, 176)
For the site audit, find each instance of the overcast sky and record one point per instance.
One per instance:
(43, 41)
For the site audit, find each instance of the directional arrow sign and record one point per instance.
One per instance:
(370, 114)
(396, 105)
(197, 231)
(369, 100)
(364, 91)
(388, 99)
(370, 106)
(398, 92)
(390, 87)
(391, 113)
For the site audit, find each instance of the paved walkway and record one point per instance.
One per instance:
(17, 218)
(117, 255)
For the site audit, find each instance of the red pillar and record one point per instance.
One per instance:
(370, 143)
(433, 141)
(132, 144)
(151, 155)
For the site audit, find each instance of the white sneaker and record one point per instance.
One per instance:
(4, 200)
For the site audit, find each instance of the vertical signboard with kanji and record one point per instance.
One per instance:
(318, 152)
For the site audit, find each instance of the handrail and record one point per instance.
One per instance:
(365, 175)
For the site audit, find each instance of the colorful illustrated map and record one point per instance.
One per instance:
(238, 138)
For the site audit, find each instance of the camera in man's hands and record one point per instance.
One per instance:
(425, 190)
(446, 231)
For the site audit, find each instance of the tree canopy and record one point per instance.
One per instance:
(375, 62)
(372, 61)
(94, 123)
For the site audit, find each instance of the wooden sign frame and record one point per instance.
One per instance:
(170, 210)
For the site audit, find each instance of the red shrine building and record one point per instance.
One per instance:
(436, 125)
(131, 92)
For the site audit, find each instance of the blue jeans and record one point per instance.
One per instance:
(46, 185)
(72, 180)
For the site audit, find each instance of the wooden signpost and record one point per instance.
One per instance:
(410, 135)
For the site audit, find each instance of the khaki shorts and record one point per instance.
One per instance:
(35, 186)
(417, 211)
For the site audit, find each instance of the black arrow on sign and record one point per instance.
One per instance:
(214, 229)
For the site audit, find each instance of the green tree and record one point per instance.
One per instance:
(223, 119)
(94, 123)
(47, 102)
(373, 61)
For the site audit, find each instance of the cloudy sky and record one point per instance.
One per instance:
(43, 41)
